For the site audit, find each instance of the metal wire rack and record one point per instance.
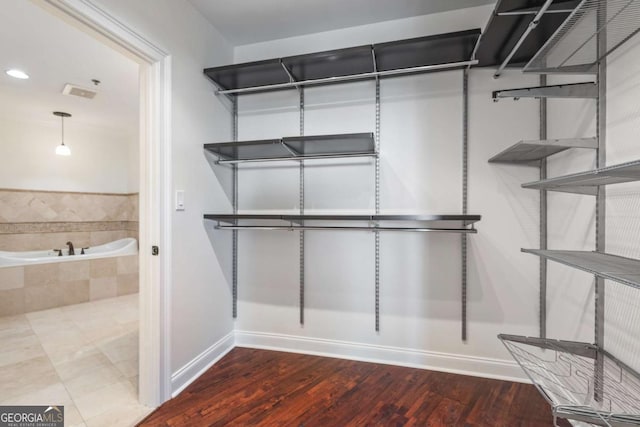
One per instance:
(566, 375)
(574, 46)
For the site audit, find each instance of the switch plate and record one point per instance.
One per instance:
(180, 200)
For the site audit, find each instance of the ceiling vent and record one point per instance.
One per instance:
(80, 91)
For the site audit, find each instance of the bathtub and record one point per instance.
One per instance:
(122, 247)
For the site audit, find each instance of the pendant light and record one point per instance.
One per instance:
(62, 150)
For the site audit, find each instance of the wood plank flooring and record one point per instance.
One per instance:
(267, 388)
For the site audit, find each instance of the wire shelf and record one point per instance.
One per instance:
(566, 374)
(574, 46)
(612, 267)
(587, 182)
(530, 152)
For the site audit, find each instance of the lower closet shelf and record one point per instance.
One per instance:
(581, 381)
(411, 223)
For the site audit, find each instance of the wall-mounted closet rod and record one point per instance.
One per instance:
(326, 80)
(332, 228)
(281, 159)
(532, 26)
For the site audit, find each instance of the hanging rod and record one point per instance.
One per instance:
(532, 26)
(329, 228)
(361, 76)
(296, 158)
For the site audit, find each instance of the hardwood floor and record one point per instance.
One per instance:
(269, 388)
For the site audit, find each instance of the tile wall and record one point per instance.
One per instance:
(43, 220)
(34, 220)
(29, 288)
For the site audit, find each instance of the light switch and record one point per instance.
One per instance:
(180, 200)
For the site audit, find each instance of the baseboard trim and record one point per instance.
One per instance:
(198, 366)
(443, 362)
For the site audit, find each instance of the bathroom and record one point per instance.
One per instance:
(69, 220)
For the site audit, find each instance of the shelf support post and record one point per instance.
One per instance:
(601, 123)
(377, 208)
(543, 217)
(301, 202)
(465, 185)
(234, 201)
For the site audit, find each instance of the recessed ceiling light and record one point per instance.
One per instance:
(18, 74)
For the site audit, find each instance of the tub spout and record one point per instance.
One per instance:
(71, 250)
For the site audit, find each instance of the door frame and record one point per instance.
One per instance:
(155, 185)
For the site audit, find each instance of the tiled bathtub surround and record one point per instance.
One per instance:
(54, 206)
(30, 288)
(35, 220)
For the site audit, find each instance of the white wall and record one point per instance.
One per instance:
(457, 20)
(622, 317)
(200, 301)
(102, 160)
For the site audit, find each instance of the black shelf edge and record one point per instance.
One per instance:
(295, 148)
(416, 55)
(504, 30)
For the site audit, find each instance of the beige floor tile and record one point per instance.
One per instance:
(129, 368)
(45, 314)
(106, 400)
(84, 357)
(54, 394)
(134, 382)
(11, 355)
(122, 348)
(124, 416)
(70, 335)
(92, 380)
(19, 339)
(10, 325)
(63, 354)
(81, 366)
(72, 416)
(27, 377)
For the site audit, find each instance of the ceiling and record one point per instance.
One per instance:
(251, 21)
(54, 53)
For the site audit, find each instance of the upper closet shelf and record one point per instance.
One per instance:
(575, 45)
(419, 55)
(588, 182)
(424, 223)
(613, 267)
(295, 148)
(518, 29)
(527, 152)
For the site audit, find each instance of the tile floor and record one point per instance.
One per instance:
(83, 356)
